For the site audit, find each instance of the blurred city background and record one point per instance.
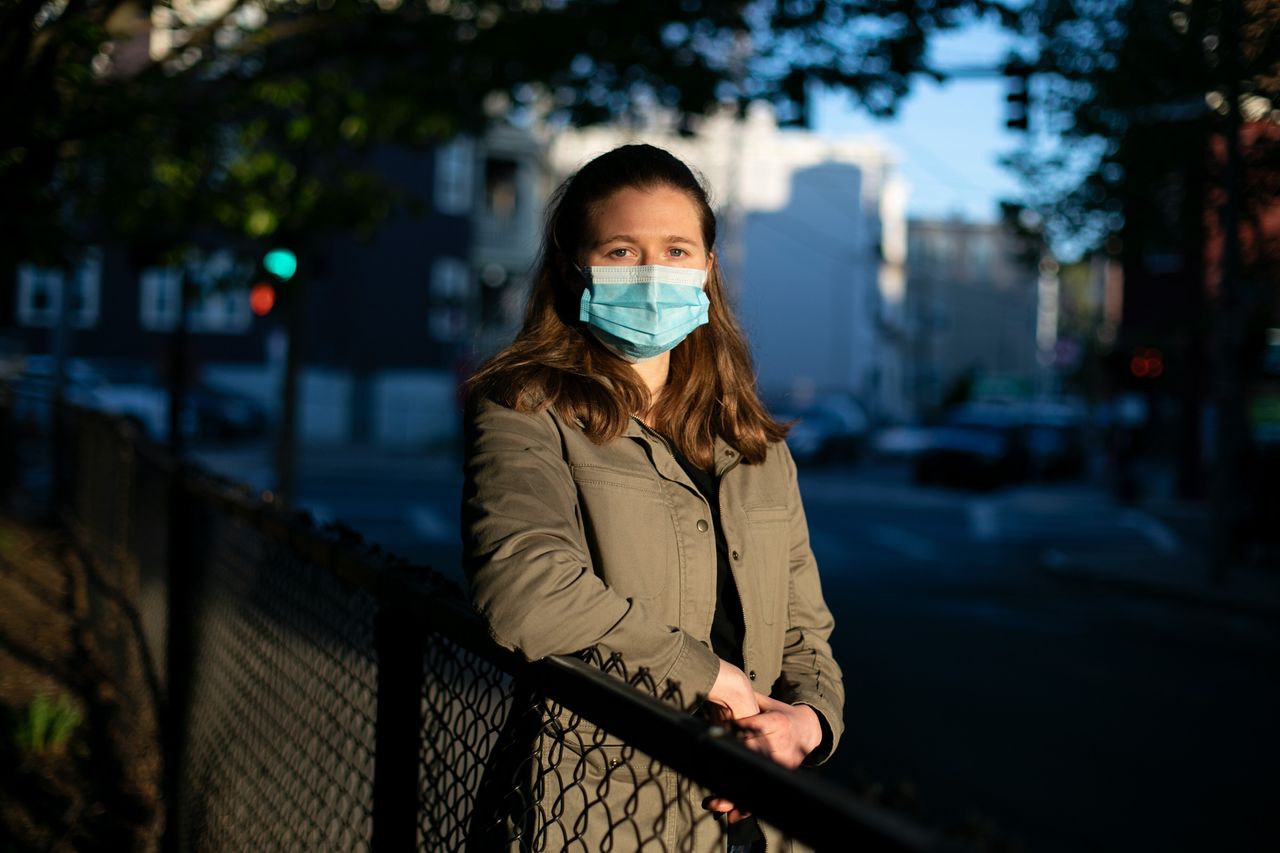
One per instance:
(1012, 269)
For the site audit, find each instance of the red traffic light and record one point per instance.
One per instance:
(262, 298)
(1146, 363)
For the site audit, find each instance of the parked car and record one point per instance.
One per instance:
(222, 413)
(1055, 434)
(977, 448)
(830, 427)
(30, 393)
(145, 404)
(899, 443)
(215, 411)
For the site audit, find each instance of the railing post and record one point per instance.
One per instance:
(398, 729)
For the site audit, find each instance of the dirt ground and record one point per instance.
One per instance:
(68, 628)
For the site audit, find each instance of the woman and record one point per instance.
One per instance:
(625, 489)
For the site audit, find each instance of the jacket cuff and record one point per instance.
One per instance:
(694, 671)
(830, 733)
(827, 745)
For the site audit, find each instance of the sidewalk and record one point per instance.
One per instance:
(1181, 575)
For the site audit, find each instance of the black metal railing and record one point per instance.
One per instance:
(323, 695)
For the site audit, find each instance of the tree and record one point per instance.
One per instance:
(169, 127)
(1148, 99)
(164, 118)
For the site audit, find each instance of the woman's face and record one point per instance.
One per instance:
(635, 227)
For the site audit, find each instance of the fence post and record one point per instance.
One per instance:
(398, 729)
(179, 572)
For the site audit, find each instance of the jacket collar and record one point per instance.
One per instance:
(724, 457)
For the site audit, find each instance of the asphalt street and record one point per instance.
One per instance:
(983, 690)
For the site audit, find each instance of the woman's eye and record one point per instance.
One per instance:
(618, 253)
(677, 252)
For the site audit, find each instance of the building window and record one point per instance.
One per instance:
(940, 247)
(219, 296)
(40, 293)
(450, 292)
(454, 176)
(500, 190)
(158, 302)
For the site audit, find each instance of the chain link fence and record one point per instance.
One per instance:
(319, 694)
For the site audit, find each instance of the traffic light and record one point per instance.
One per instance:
(1146, 363)
(1018, 97)
(274, 269)
(262, 298)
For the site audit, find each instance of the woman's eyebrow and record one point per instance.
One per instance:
(627, 238)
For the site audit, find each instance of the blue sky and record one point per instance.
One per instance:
(948, 136)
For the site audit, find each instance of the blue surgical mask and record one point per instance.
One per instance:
(640, 312)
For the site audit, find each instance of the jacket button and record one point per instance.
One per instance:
(734, 555)
(702, 525)
(752, 675)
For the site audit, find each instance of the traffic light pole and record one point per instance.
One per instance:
(287, 428)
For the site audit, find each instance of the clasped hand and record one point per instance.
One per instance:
(782, 732)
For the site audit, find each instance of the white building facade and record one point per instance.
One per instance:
(812, 240)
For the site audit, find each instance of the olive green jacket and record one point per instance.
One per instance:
(569, 544)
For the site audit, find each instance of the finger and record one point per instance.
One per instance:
(717, 804)
(763, 724)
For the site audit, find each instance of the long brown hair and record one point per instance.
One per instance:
(555, 362)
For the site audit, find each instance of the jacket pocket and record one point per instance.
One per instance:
(768, 528)
(587, 753)
(629, 531)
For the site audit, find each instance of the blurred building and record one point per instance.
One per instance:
(391, 323)
(812, 242)
(980, 308)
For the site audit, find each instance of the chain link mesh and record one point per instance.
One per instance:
(276, 665)
(279, 737)
(549, 777)
(466, 701)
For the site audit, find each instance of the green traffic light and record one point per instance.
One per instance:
(281, 263)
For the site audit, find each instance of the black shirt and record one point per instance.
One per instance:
(727, 632)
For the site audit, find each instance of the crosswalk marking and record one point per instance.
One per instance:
(904, 543)
(1043, 520)
(984, 521)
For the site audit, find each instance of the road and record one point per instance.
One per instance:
(983, 691)
(1070, 718)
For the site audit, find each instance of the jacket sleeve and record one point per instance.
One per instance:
(528, 564)
(810, 674)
